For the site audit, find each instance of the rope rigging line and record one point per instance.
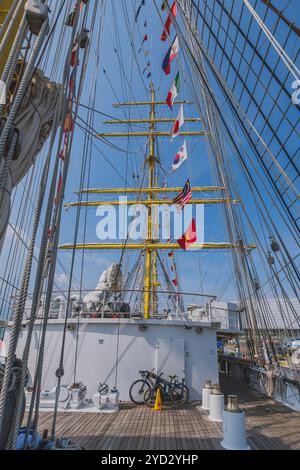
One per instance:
(237, 149)
(45, 254)
(215, 66)
(290, 106)
(222, 182)
(13, 264)
(285, 57)
(24, 286)
(60, 370)
(252, 127)
(87, 152)
(280, 13)
(27, 270)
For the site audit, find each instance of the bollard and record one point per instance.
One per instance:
(206, 391)
(216, 403)
(234, 426)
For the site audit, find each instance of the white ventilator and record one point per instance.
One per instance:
(234, 426)
(216, 402)
(206, 391)
(107, 402)
(296, 357)
(47, 399)
(77, 396)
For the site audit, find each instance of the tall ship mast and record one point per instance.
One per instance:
(148, 196)
(168, 246)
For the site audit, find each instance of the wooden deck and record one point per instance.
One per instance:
(270, 425)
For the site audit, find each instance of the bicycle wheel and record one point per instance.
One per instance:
(137, 391)
(180, 395)
(149, 397)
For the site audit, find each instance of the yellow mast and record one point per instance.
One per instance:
(146, 134)
(151, 173)
(147, 190)
(5, 6)
(146, 121)
(157, 246)
(155, 280)
(150, 199)
(144, 103)
(150, 202)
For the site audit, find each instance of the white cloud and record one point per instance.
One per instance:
(61, 280)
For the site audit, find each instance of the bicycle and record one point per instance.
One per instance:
(180, 393)
(170, 391)
(140, 386)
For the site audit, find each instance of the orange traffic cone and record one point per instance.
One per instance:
(158, 402)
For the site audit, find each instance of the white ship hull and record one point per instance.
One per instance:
(113, 352)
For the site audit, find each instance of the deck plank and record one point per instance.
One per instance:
(270, 425)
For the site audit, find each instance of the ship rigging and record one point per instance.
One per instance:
(235, 65)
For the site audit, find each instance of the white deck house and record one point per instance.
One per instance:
(114, 350)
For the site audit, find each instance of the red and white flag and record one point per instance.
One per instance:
(177, 124)
(59, 185)
(189, 237)
(170, 56)
(184, 196)
(69, 123)
(74, 55)
(172, 15)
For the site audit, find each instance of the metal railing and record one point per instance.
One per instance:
(128, 303)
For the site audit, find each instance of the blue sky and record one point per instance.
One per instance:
(118, 79)
(209, 272)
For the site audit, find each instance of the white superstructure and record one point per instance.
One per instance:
(113, 351)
